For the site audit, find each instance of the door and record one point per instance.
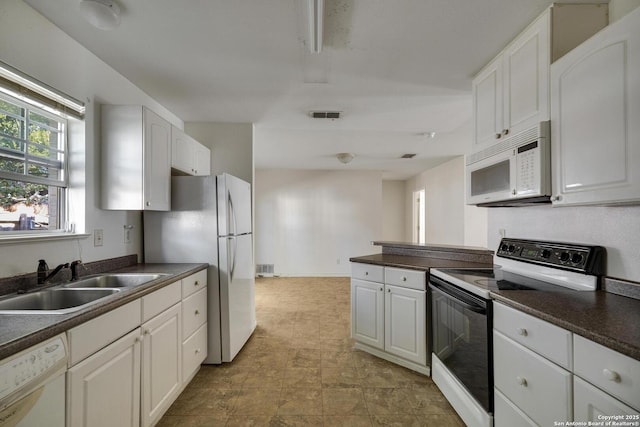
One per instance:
(157, 162)
(526, 78)
(234, 205)
(237, 296)
(405, 317)
(104, 389)
(367, 312)
(595, 96)
(161, 363)
(487, 105)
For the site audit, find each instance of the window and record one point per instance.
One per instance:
(33, 167)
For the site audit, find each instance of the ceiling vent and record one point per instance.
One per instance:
(408, 156)
(325, 114)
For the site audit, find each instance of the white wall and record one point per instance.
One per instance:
(619, 8)
(231, 146)
(448, 220)
(393, 211)
(36, 47)
(309, 223)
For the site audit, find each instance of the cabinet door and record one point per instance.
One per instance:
(526, 78)
(487, 105)
(591, 403)
(595, 105)
(367, 312)
(182, 151)
(202, 160)
(157, 162)
(104, 389)
(161, 363)
(405, 323)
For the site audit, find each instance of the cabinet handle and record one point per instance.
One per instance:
(389, 290)
(505, 131)
(197, 350)
(366, 273)
(523, 332)
(148, 203)
(197, 312)
(380, 289)
(514, 192)
(146, 332)
(611, 375)
(522, 381)
(556, 198)
(498, 135)
(196, 283)
(404, 279)
(138, 339)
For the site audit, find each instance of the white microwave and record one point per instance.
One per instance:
(514, 172)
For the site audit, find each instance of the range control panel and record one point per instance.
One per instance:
(586, 259)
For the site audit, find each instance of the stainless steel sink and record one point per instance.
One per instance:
(115, 280)
(57, 300)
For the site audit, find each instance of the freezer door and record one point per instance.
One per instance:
(234, 206)
(237, 297)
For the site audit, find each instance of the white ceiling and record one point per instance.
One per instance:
(397, 69)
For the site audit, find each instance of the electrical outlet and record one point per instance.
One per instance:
(127, 233)
(98, 237)
(502, 232)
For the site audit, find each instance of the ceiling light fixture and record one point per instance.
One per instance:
(429, 135)
(345, 157)
(316, 13)
(102, 14)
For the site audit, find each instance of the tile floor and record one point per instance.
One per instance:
(299, 369)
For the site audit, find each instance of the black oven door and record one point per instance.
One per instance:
(462, 338)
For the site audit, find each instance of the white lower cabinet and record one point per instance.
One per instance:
(127, 366)
(405, 322)
(104, 389)
(545, 374)
(367, 312)
(161, 363)
(388, 314)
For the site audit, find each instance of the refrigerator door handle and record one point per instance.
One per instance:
(233, 224)
(232, 257)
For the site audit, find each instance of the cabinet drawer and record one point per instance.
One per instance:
(615, 373)
(413, 279)
(194, 283)
(506, 414)
(590, 402)
(532, 382)
(194, 351)
(158, 301)
(97, 333)
(194, 312)
(546, 339)
(372, 273)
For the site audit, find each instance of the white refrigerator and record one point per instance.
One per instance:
(210, 222)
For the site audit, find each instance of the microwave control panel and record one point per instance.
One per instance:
(527, 166)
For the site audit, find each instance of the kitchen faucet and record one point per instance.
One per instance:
(43, 271)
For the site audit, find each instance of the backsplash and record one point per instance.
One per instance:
(10, 285)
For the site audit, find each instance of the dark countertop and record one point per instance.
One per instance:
(21, 331)
(608, 319)
(603, 317)
(433, 247)
(415, 262)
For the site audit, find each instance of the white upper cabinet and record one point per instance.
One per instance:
(188, 156)
(595, 106)
(136, 159)
(511, 93)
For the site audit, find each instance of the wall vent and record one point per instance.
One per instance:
(325, 114)
(264, 269)
(408, 156)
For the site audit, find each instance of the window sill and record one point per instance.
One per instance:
(28, 238)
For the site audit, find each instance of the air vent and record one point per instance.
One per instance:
(264, 269)
(408, 156)
(325, 114)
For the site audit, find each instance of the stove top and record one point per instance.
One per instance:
(531, 265)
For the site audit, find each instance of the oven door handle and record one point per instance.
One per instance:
(472, 307)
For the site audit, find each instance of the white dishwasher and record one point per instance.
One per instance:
(32, 386)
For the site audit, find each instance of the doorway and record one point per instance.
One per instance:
(419, 217)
